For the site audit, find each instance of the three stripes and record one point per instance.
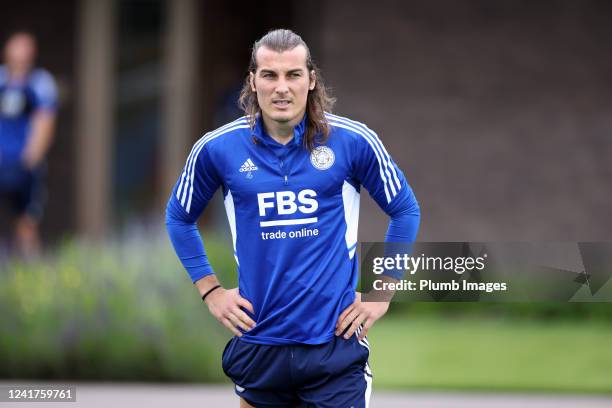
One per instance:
(387, 170)
(185, 191)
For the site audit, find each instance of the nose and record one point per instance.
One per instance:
(281, 86)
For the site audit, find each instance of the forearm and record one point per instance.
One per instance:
(188, 245)
(402, 231)
(206, 283)
(383, 293)
(40, 138)
(404, 224)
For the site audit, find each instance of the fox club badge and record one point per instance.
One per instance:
(322, 157)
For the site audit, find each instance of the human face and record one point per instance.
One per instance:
(19, 52)
(282, 83)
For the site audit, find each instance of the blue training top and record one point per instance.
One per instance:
(19, 100)
(293, 216)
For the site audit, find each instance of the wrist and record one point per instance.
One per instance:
(206, 283)
(209, 292)
(212, 297)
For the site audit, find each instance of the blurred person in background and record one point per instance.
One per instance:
(28, 103)
(290, 174)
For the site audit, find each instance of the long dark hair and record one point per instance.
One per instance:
(319, 99)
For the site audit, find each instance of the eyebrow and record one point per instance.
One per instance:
(271, 71)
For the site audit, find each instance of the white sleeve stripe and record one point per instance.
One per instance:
(380, 167)
(373, 138)
(199, 145)
(195, 147)
(195, 159)
(190, 172)
(377, 141)
(184, 176)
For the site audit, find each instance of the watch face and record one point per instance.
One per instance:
(12, 102)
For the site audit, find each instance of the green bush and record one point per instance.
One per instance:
(118, 311)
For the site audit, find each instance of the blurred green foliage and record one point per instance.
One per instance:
(124, 310)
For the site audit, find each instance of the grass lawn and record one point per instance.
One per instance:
(472, 353)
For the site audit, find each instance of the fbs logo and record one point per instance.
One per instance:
(285, 202)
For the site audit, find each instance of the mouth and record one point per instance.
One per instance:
(281, 103)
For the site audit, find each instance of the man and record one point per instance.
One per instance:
(290, 174)
(28, 103)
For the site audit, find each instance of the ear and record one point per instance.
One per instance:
(313, 80)
(252, 81)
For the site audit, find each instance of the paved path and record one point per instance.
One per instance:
(110, 395)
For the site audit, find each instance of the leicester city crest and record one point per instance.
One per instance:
(322, 157)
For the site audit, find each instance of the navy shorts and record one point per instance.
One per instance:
(24, 191)
(334, 374)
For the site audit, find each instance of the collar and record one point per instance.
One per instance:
(259, 133)
(7, 78)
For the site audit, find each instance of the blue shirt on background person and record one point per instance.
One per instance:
(19, 101)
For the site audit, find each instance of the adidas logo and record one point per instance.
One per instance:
(248, 166)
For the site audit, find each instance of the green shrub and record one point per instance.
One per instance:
(115, 311)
